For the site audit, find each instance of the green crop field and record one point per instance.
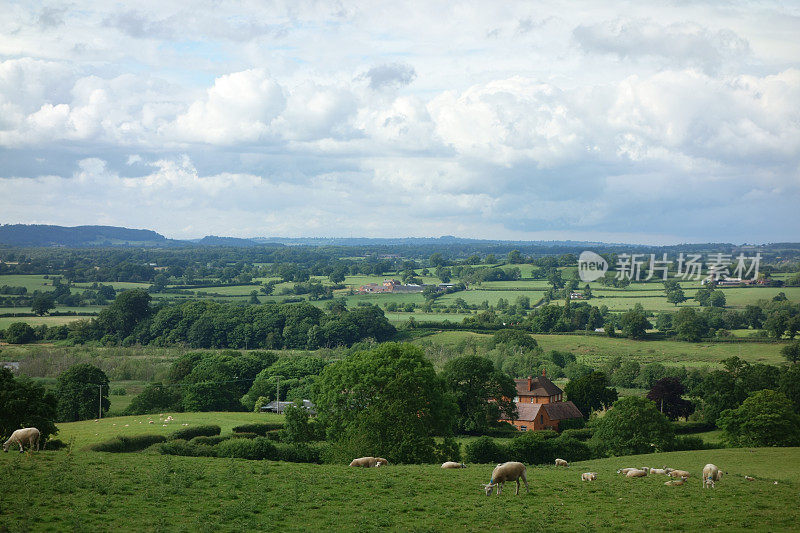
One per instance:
(144, 492)
(39, 320)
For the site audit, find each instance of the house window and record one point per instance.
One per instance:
(523, 428)
(541, 419)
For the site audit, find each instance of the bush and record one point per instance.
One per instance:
(19, 333)
(448, 450)
(245, 435)
(687, 428)
(186, 449)
(191, 432)
(258, 428)
(209, 441)
(485, 450)
(125, 444)
(258, 448)
(54, 445)
(582, 434)
(299, 453)
(682, 444)
(118, 391)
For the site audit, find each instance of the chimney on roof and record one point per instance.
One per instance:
(544, 372)
(530, 383)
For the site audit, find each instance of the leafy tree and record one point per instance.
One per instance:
(765, 418)
(789, 384)
(19, 333)
(155, 397)
(81, 391)
(297, 427)
(515, 257)
(667, 393)
(791, 352)
(473, 382)
(689, 325)
(634, 324)
(717, 299)
(129, 308)
(387, 401)
(514, 337)
(625, 375)
(676, 296)
(633, 425)
(590, 393)
(42, 303)
(25, 403)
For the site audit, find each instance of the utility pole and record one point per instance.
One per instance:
(100, 405)
(278, 397)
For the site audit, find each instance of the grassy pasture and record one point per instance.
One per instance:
(144, 492)
(32, 282)
(595, 349)
(88, 431)
(39, 320)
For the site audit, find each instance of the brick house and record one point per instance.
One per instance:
(540, 405)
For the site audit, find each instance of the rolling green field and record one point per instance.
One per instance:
(145, 492)
(595, 349)
(39, 320)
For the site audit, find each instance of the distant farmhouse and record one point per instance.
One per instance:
(395, 287)
(540, 405)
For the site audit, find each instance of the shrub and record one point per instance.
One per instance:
(118, 391)
(190, 432)
(582, 434)
(692, 443)
(258, 428)
(687, 428)
(209, 441)
(125, 444)
(258, 448)
(484, 450)
(448, 450)
(187, 449)
(19, 333)
(298, 453)
(54, 444)
(244, 435)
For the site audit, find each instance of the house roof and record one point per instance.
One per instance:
(539, 386)
(528, 411)
(562, 410)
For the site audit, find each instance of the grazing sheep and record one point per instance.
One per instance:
(660, 471)
(636, 473)
(511, 471)
(624, 471)
(29, 436)
(561, 462)
(368, 462)
(453, 464)
(711, 474)
(748, 478)
(679, 473)
(674, 482)
(589, 476)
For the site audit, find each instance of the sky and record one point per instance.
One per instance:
(641, 122)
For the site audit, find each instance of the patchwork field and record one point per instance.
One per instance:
(145, 492)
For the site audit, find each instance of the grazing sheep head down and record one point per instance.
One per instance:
(487, 487)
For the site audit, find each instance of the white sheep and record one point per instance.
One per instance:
(660, 471)
(678, 473)
(711, 474)
(749, 478)
(624, 471)
(635, 472)
(589, 476)
(561, 462)
(29, 436)
(510, 471)
(674, 482)
(368, 462)
(453, 464)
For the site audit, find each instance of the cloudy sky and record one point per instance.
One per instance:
(673, 122)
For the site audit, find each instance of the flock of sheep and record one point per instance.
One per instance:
(516, 471)
(510, 471)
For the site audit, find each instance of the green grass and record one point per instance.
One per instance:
(39, 320)
(144, 492)
(595, 349)
(32, 282)
(88, 431)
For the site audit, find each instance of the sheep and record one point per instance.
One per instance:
(624, 471)
(453, 464)
(659, 471)
(636, 473)
(29, 436)
(510, 471)
(561, 462)
(674, 482)
(749, 478)
(368, 462)
(711, 474)
(678, 473)
(589, 476)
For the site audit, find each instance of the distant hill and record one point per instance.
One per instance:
(213, 240)
(44, 235)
